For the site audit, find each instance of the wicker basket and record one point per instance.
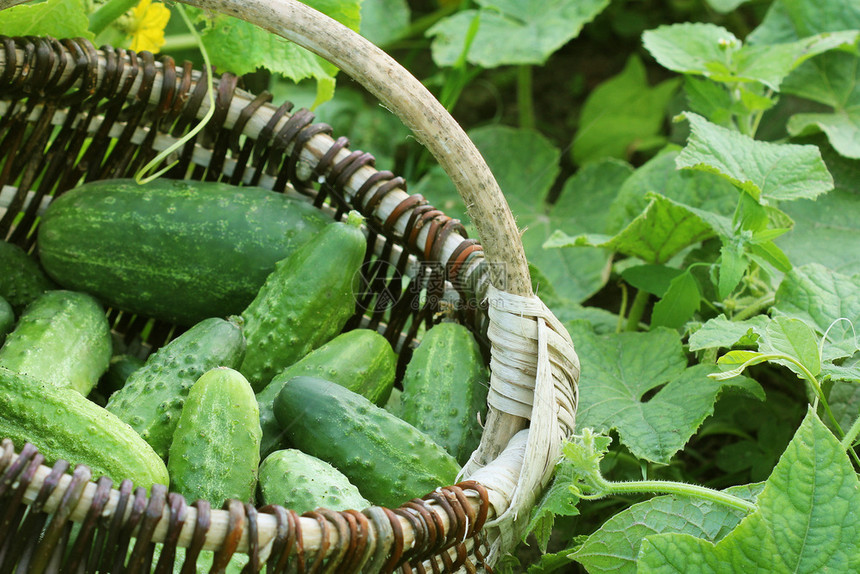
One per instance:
(55, 95)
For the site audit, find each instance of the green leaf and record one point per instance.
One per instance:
(806, 519)
(581, 207)
(654, 279)
(693, 48)
(827, 230)
(720, 332)
(57, 18)
(725, 6)
(615, 546)
(709, 99)
(512, 31)
(621, 114)
(662, 231)
(240, 47)
(819, 296)
(618, 371)
(844, 399)
(714, 52)
(794, 338)
(850, 373)
(558, 500)
(832, 80)
(600, 320)
(550, 563)
(677, 306)
(770, 253)
(789, 20)
(705, 191)
(762, 169)
(733, 265)
(525, 165)
(734, 363)
(383, 21)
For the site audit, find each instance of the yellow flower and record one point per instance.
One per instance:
(147, 30)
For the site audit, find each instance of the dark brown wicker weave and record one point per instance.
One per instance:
(57, 94)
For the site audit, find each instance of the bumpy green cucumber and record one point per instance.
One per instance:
(7, 319)
(305, 301)
(389, 460)
(360, 360)
(153, 395)
(62, 338)
(301, 482)
(181, 251)
(21, 278)
(216, 447)
(63, 424)
(445, 387)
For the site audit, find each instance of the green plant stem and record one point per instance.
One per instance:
(637, 309)
(851, 435)
(113, 9)
(180, 42)
(525, 97)
(623, 309)
(820, 394)
(424, 23)
(757, 307)
(606, 488)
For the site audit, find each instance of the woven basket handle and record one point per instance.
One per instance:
(416, 107)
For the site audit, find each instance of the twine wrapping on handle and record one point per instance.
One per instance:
(534, 371)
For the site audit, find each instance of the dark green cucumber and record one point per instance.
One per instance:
(176, 250)
(62, 338)
(301, 482)
(120, 369)
(445, 387)
(305, 301)
(216, 447)
(7, 319)
(360, 360)
(63, 424)
(389, 460)
(21, 277)
(152, 398)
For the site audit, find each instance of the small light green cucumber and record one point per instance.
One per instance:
(216, 447)
(63, 424)
(445, 388)
(301, 482)
(62, 338)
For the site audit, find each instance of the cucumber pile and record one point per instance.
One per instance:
(261, 397)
